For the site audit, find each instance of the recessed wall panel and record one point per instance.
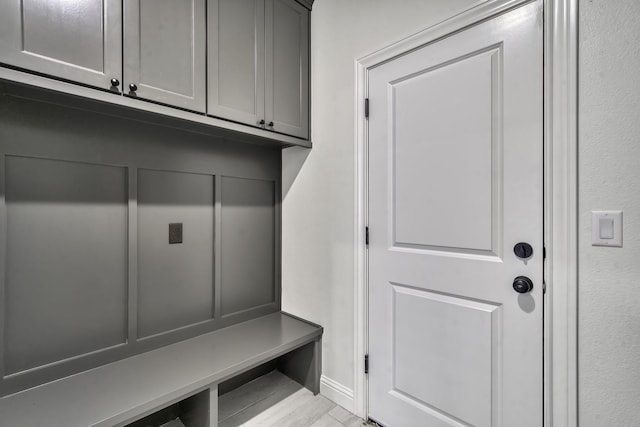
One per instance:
(248, 244)
(175, 281)
(66, 260)
(445, 351)
(444, 171)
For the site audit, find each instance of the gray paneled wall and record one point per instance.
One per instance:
(89, 275)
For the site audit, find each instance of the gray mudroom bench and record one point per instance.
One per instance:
(122, 392)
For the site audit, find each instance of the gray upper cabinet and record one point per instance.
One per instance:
(243, 61)
(165, 51)
(78, 41)
(236, 60)
(287, 67)
(259, 64)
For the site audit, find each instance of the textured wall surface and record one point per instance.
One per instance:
(609, 162)
(318, 238)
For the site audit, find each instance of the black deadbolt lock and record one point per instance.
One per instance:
(522, 284)
(523, 250)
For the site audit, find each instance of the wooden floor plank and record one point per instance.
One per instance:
(275, 400)
(308, 413)
(273, 415)
(354, 421)
(280, 394)
(345, 417)
(243, 397)
(327, 421)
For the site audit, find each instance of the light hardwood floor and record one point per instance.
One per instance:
(275, 400)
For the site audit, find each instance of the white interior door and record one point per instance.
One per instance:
(455, 182)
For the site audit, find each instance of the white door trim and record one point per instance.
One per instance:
(560, 211)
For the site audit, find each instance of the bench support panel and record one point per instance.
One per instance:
(213, 406)
(304, 365)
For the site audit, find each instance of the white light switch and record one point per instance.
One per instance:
(606, 228)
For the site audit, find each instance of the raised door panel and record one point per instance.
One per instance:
(458, 207)
(287, 67)
(165, 50)
(79, 41)
(236, 60)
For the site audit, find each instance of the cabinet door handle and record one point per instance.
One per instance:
(133, 87)
(270, 124)
(261, 122)
(115, 82)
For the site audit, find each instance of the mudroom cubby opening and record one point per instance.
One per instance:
(192, 411)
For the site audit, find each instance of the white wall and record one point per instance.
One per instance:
(318, 206)
(319, 185)
(609, 162)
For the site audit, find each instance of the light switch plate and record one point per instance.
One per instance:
(606, 228)
(175, 233)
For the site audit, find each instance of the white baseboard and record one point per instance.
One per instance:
(337, 392)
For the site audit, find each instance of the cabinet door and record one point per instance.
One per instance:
(236, 60)
(287, 67)
(79, 41)
(165, 51)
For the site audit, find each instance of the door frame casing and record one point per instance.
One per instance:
(560, 198)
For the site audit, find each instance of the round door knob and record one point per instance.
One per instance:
(523, 250)
(522, 284)
(133, 87)
(115, 82)
(261, 122)
(270, 124)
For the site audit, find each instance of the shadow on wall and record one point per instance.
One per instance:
(293, 159)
